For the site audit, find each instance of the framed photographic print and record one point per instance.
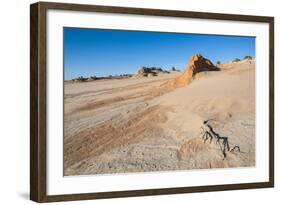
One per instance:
(134, 102)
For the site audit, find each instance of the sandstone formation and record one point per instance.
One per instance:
(149, 72)
(196, 65)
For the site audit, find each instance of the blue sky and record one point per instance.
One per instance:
(89, 52)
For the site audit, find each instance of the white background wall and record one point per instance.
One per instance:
(14, 101)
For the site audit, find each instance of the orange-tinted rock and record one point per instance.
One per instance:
(196, 65)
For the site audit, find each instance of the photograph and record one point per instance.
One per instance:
(147, 101)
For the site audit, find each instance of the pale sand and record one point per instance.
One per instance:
(133, 125)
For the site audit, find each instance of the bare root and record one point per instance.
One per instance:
(222, 141)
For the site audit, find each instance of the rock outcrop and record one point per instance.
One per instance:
(149, 72)
(196, 65)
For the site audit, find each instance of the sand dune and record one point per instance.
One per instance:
(136, 125)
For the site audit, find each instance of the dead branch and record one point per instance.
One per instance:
(221, 140)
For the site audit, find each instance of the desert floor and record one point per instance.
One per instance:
(132, 125)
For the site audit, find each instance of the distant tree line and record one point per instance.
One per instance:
(248, 58)
(93, 78)
(236, 60)
(159, 69)
(145, 68)
(245, 58)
